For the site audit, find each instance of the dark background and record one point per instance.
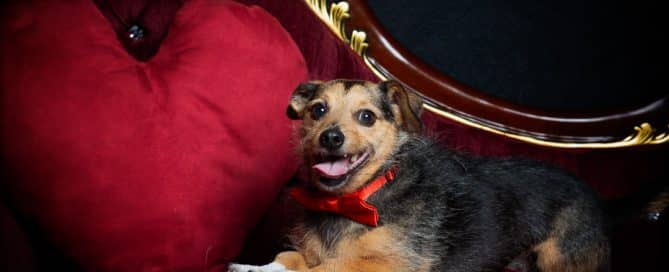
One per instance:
(555, 55)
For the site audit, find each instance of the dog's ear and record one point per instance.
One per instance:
(301, 96)
(410, 104)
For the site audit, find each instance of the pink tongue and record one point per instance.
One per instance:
(333, 169)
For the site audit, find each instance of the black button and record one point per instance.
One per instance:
(135, 32)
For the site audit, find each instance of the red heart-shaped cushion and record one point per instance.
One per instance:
(127, 165)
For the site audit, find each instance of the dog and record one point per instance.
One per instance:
(380, 197)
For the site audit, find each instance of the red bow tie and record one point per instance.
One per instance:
(352, 206)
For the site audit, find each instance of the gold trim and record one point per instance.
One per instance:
(335, 17)
(642, 135)
(358, 43)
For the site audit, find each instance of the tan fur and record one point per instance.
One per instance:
(312, 248)
(292, 260)
(409, 106)
(549, 256)
(375, 250)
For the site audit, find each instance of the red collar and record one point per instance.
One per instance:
(352, 205)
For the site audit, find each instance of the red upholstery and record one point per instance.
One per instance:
(326, 56)
(154, 17)
(159, 165)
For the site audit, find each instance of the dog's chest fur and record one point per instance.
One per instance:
(411, 207)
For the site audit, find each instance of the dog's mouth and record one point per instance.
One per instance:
(334, 170)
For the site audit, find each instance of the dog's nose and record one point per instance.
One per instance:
(332, 139)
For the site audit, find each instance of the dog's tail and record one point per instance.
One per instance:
(639, 224)
(650, 204)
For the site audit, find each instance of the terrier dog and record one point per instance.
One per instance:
(380, 197)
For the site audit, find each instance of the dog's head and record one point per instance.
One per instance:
(351, 129)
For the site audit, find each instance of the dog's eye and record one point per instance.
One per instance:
(366, 118)
(318, 110)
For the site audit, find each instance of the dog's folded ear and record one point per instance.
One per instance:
(301, 96)
(410, 104)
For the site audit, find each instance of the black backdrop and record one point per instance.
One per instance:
(556, 55)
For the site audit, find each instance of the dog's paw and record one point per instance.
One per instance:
(272, 267)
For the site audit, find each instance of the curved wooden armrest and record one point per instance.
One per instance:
(354, 23)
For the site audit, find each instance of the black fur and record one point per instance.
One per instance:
(350, 83)
(383, 103)
(304, 92)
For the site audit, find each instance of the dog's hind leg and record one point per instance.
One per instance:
(577, 243)
(552, 257)
(288, 261)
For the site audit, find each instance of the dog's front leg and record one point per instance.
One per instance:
(330, 266)
(288, 261)
(375, 250)
(366, 265)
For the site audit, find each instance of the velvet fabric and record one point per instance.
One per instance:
(153, 18)
(326, 56)
(162, 164)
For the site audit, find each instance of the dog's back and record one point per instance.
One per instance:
(487, 211)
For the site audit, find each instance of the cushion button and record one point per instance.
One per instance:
(135, 32)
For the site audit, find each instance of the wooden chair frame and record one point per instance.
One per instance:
(354, 23)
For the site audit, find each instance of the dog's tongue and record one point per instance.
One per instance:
(333, 169)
